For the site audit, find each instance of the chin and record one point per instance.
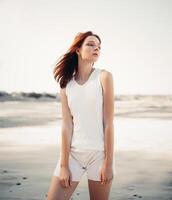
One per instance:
(95, 59)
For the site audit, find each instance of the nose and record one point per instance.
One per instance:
(97, 48)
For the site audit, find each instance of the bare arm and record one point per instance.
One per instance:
(108, 114)
(66, 128)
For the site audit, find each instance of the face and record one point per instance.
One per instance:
(90, 49)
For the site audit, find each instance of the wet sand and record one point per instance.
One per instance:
(26, 174)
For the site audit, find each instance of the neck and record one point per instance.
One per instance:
(84, 69)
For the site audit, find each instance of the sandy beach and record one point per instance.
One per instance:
(108, 50)
(29, 151)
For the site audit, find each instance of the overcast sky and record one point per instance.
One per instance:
(136, 42)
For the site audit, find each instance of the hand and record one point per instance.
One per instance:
(106, 173)
(65, 177)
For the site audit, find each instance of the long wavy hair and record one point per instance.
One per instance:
(67, 65)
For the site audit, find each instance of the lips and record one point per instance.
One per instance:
(95, 54)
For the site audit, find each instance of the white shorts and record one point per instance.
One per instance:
(81, 162)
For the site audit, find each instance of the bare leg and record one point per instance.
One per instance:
(98, 191)
(57, 192)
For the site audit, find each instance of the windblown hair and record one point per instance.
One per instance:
(67, 66)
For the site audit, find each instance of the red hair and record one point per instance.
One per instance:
(68, 64)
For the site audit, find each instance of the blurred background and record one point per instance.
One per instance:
(136, 47)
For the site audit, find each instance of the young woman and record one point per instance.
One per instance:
(87, 131)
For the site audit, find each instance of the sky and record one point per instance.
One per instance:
(136, 44)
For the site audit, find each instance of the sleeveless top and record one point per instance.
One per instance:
(86, 105)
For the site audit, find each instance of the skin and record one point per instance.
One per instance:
(62, 188)
(86, 58)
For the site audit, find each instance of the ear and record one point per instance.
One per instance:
(77, 51)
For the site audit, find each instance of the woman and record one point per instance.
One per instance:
(87, 131)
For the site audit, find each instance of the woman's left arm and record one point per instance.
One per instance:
(108, 115)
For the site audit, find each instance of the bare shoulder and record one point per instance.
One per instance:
(106, 77)
(66, 113)
(62, 92)
(105, 72)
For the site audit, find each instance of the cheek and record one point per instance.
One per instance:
(88, 51)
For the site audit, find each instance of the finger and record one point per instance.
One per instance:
(100, 177)
(70, 181)
(66, 183)
(108, 181)
(63, 183)
(103, 180)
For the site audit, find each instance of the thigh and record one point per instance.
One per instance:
(99, 191)
(94, 166)
(57, 192)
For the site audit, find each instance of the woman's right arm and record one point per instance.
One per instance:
(66, 128)
(66, 136)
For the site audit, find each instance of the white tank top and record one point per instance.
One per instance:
(86, 106)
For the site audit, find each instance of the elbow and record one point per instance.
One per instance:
(66, 138)
(67, 132)
(66, 128)
(108, 124)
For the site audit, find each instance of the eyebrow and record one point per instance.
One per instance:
(93, 41)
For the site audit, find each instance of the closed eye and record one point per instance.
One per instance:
(92, 45)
